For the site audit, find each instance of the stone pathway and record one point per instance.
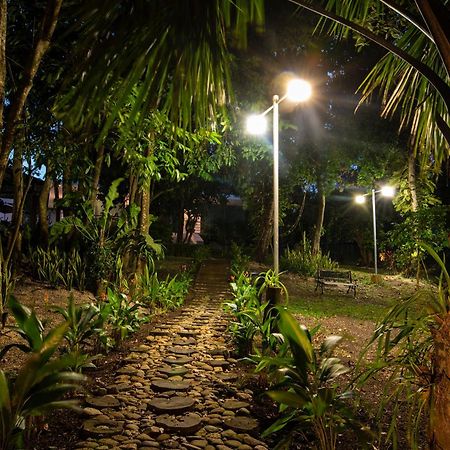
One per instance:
(177, 391)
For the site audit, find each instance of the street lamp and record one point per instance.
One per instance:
(385, 191)
(297, 91)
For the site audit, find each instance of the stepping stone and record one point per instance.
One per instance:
(218, 351)
(179, 360)
(102, 426)
(106, 401)
(168, 385)
(241, 424)
(158, 333)
(188, 424)
(188, 341)
(118, 387)
(141, 349)
(227, 376)
(235, 404)
(172, 405)
(180, 350)
(187, 333)
(217, 363)
(174, 371)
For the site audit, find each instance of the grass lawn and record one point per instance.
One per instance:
(372, 302)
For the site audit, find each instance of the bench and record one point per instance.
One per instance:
(335, 278)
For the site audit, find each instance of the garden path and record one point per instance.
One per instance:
(178, 390)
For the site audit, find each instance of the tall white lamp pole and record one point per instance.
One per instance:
(386, 191)
(298, 91)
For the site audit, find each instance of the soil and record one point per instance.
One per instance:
(355, 332)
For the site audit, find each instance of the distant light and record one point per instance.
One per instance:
(360, 199)
(387, 191)
(298, 90)
(256, 124)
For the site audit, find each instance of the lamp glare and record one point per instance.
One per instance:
(387, 191)
(360, 199)
(256, 124)
(298, 90)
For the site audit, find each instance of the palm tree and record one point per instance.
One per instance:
(413, 77)
(173, 54)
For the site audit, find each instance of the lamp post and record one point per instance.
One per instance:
(385, 191)
(297, 91)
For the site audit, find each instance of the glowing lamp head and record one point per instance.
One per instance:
(387, 191)
(360, 199)
(298, 90)
(256, 124)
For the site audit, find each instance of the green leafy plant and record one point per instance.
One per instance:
(270, 279)
(302, 261)
(28, 326)
(168, 294)
(412, 347)
(57, 268)
(251, 317)
(426, 225)
(239, 261)
(121, 315)
(41, 385)
(86, 326)
(303, 385)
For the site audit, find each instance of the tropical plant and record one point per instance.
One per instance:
(304, 386)
(252, 317)
(84, 322)
(426, 225)
(413, 347)
(56, 267)
(270, 279)
(41, 385)
(168, 294)
(187, 55)
(303, 261)
(239, 260)
(121, 314)
(28, 326)
(413, 75)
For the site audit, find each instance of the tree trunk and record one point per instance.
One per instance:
(263, 244)
(18, 100)
(18, 199)
(412, 180)
(319, 222)
(57, 197)
(180, 220)
(67, 186)
(298, 218)
(43, 210)
(97, 172)
(439, 437)
(144, 216)
(3, 17)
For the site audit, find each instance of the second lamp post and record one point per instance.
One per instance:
(297, 91)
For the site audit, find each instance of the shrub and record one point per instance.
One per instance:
(57, 268)
(41, 385)
(252, 316)
(121, 315)
(168, 294)
(426, 225)
(239, 260)
(302, 261)
(303, 385)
